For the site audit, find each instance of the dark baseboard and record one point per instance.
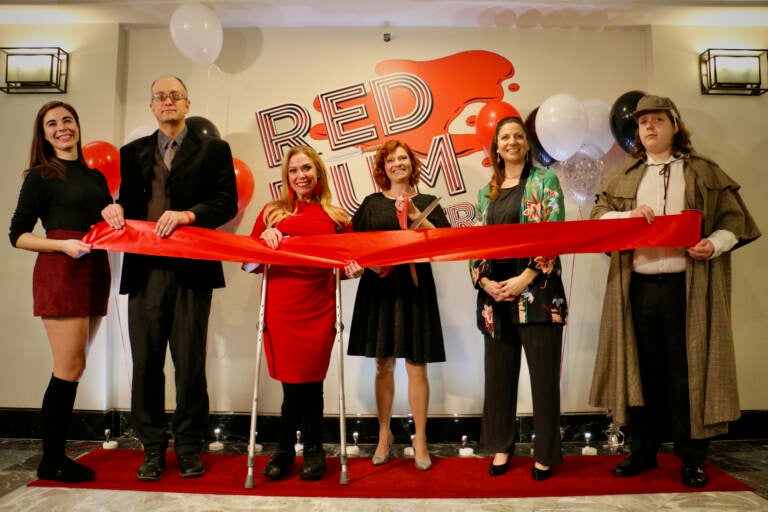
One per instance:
(90, 425)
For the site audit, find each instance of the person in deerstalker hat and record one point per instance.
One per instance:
(665, 362)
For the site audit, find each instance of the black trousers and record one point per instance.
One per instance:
(542, 344)
(302, 409)
(163, 314)
(658, 312)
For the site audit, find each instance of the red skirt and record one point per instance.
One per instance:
(67, 287)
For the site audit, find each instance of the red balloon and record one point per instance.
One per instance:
(487, 119)
(106, 158)
(244, 181)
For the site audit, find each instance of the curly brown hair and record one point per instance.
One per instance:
(379, 162)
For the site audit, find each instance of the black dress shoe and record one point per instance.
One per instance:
(314, 464)
(190, 465)
(693, 475)
(153, 466)
(634, 465)
(498, 469)
(279, 465)
(65, 470)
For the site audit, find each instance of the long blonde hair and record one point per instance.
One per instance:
(281, 208)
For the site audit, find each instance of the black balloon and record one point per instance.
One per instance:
(623, 123)
(202, 127)
(537, 151)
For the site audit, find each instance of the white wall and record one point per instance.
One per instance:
(734, 132)
(25, 361)
(262, 68)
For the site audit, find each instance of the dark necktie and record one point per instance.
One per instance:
(170, 152)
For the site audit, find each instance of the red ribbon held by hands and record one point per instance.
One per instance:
(385, 248)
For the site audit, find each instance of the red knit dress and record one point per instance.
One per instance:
(300, 313)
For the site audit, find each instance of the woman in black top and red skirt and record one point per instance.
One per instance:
(70, 282)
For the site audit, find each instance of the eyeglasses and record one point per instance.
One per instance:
(174, 95)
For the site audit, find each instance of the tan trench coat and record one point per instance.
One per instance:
(616, 385)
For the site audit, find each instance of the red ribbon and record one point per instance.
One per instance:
(384, 248)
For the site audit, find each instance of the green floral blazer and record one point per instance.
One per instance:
(544, 300)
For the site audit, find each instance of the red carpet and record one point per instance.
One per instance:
(448, 478)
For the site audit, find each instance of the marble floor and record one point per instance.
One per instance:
(745, 460)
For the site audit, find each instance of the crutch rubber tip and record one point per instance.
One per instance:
(344, 478)
(249, 482)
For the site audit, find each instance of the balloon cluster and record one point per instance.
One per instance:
(573, 135)
(105, 157)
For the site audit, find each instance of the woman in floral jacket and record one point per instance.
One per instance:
(521, 305)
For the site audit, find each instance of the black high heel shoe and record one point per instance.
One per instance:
(540, 474)
(500, 469)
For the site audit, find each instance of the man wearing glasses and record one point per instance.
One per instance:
(176, 178)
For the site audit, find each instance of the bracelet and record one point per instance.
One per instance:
(190, 219)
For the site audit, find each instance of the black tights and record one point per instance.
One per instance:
(302, 409)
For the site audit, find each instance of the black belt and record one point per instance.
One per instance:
(671, 276)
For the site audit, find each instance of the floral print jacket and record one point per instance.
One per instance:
(544, 300)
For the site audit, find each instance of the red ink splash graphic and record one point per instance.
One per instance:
(453, 82)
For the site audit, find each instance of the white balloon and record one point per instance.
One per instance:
(598, 124)
(561, 125)
(196, 32)
(139, 132)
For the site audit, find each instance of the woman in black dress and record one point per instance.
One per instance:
(396, 313)
(70, 282)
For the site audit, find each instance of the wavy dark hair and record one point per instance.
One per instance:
(494, 186)
(42, 153)
(380, 160)
(681, 141)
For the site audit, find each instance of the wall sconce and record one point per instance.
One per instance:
(34, 70)
(734, 72)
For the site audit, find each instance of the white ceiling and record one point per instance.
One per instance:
(398, 13)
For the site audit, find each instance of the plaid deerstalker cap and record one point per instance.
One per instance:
(651, 103)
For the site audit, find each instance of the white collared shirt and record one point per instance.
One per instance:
(650, 192)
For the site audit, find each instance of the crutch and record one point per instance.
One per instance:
(254, 407)
(344, 478)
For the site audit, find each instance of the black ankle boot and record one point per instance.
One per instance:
(55, 415)
(279, 464)
(314, 463)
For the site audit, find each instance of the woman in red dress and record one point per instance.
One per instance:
(300, 313)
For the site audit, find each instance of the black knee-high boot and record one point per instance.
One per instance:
(56, 413)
